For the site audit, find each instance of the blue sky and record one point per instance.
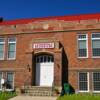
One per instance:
(15, 9)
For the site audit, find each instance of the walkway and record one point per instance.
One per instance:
(32, 98)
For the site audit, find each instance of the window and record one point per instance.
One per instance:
(2, 43)
(10, 80)
(11, 48)
(0, 80)
(96, 44)
(44, 59)
(82, 45)
(96, 81)
(83, 81)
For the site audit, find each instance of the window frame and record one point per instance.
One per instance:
(6, 78)
(13, 80)
(87, 83)
(44, 59)
(3, 48)
(93, 84)
(2, 76)
(86, 45)
(8, 48)
(92, 43)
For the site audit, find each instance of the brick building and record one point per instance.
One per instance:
(51, 51)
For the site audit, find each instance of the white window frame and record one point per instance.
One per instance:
(15, 48)
(92, 45)
(93, 84)
(86, 45)
(87, 82)
(3, 49)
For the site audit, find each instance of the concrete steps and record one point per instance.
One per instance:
(38, 91)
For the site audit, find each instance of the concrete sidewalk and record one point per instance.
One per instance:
(32, 98)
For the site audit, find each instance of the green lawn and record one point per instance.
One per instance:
(79, 97)
(6, 95)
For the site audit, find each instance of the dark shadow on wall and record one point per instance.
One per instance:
(72, 90)
(65, 71)
(64, 68)
(33, 71)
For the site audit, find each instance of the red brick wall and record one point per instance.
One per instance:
(67, 37)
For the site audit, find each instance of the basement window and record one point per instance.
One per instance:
(83, 81)
(8, 78)
(96, 81)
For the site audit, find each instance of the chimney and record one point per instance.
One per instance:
(1, 19)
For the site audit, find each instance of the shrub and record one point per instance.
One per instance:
(6, 95)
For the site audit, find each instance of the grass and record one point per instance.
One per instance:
(80, 97)
(6, 95)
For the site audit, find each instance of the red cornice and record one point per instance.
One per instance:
(65, 18)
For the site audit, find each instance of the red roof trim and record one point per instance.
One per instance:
(65, 18)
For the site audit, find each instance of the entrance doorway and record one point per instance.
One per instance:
(44, 70)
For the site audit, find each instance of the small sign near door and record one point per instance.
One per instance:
(43, 45)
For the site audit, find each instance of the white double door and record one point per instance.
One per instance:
(44, 73)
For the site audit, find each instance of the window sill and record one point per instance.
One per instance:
(7, 90)
(82, 57)
(96, 91)
(11, 59)
(83, 91)
(96, 57)
(2, 59)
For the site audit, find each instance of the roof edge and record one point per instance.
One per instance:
(65, 18)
